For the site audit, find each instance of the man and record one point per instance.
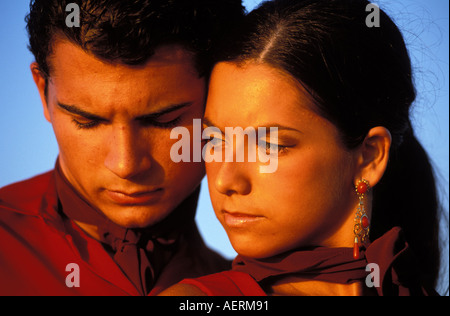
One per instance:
(116, 216)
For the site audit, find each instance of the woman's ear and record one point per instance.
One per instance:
(374, 155)
(41, 84)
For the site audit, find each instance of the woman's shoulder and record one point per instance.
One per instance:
(226, 283)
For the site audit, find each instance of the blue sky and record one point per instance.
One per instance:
(28, 146)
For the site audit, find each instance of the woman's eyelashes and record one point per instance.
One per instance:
(272, 148)
(214, 142)
(219, 142)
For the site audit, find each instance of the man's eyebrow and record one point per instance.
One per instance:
(169, 109)
(77, 111)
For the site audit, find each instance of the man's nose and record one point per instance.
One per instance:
(127, 156)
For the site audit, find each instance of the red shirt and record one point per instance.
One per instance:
(37, 247)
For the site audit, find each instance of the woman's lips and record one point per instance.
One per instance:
(240, 220)
(136, 198)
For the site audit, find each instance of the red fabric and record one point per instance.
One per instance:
(398, 269)
(140, 253)
(335, 265)
(36, 246)
(227, 283)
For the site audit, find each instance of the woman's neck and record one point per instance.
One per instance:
(292, 286)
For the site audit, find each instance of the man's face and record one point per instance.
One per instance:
(113, 123)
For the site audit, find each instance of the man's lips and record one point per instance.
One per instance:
(134, 198)
(239, 220)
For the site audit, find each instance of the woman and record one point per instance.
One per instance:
(352, 183)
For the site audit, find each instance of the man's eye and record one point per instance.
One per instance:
(162, 122)
(167, 124)
(85, 124)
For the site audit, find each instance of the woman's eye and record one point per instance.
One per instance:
(215, 141)
(272, 148)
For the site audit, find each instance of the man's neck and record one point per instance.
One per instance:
(90, 230)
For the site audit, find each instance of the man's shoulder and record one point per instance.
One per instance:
(26, 196)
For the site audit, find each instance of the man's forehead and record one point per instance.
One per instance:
(81, 80)
(173, 53)
(163, 56)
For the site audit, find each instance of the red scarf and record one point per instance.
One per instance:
(140, 253)
(322, 264)
(397, 266)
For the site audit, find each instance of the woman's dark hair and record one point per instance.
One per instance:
(129, 31)
(360, 78)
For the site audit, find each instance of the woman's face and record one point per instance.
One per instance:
(310, 196)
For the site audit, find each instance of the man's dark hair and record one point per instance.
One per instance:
(129, 31)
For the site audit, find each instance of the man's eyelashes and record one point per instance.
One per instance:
(91, 124)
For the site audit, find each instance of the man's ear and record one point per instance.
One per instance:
(41, 84)
(373, 155)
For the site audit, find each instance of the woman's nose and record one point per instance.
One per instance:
(232, 178)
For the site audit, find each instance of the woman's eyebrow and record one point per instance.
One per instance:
(207, 122)
(280, 127)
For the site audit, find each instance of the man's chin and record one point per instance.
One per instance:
(136, 217)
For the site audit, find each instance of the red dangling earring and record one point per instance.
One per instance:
(361, 227)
